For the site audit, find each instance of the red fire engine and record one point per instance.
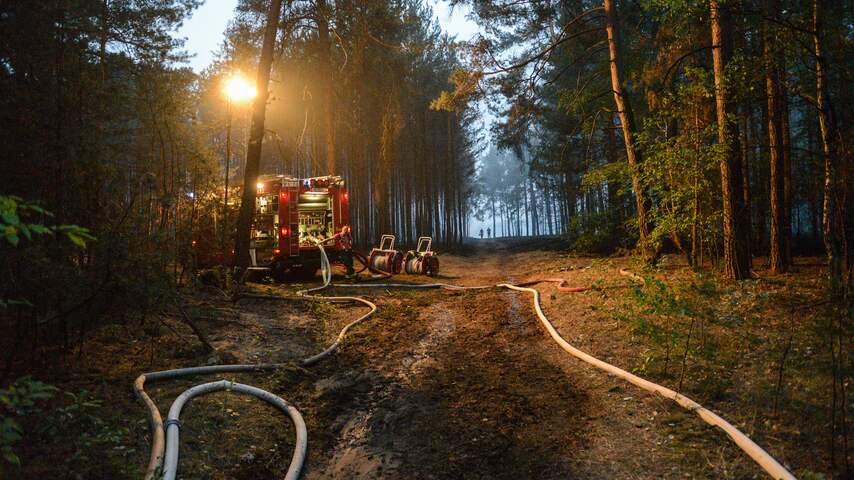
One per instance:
(291, 216)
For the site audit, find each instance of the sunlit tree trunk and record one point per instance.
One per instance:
(736, 248)
(256, 136)
(627, 121)
(327, 96)
(832, 220)
(777, 253)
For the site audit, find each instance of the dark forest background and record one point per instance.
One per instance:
(589, 75)
(719, 130)
(103, 127)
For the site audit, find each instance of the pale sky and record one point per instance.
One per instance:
(204, 30)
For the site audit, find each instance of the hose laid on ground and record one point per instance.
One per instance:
(166, 441)
(561, 285)
(170, 468)
(760, 456)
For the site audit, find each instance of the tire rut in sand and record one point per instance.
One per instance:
(475, 398)
(365, 447)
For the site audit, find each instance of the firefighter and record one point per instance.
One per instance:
(344, 241)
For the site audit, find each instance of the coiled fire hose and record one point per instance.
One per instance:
(171, 461)
(165, 437)
(760, 456)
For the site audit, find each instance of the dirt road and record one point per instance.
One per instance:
(438, 384)
(447, 385)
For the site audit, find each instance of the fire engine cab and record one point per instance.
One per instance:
(291, 216)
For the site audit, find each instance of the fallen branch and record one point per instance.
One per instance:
(195, 328)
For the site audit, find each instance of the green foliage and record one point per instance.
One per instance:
(17, 221)
(596, 233)
(110, 141)
(614, 175)
(681, 163)
(672, 318)
(604, 231)
(17, 401)
(14, 211)
(465, 90)
(98, 441)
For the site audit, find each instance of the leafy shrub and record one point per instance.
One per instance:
(13, 226)
(672, 320)
(17, 401)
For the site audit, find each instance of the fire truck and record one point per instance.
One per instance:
(291, 216)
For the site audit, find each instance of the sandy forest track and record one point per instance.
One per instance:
(437, 385)
(468, 385)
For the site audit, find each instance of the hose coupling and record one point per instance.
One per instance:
(172, 421)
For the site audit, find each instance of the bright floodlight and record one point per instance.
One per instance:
(237, 89)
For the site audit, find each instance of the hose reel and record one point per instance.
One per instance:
(422, 260)
(386, 258)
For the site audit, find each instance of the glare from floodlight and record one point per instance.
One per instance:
(238, 89)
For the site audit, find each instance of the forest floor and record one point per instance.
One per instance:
(467, 384)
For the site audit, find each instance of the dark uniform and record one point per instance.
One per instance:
(344, 241)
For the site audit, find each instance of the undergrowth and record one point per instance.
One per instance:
(774, 358)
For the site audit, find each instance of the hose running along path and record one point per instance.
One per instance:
(757, 453)
(760, 456)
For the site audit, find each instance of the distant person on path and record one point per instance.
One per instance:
(488, 232)
(481, 233)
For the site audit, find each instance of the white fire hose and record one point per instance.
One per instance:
(171, 440)
(760, 456)
(166, 441)
(170, 468)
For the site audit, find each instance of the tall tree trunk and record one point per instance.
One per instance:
(493, 214)
(224, 237)
(777, 253)
(745, 168)
(832, 221)
(527, 209)
(627, 121)
(326, 93)
(735, 219)
(785, 129)
(757, 132)
(102, 40)
(256, 136)
(382, 170)
(694, 259)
